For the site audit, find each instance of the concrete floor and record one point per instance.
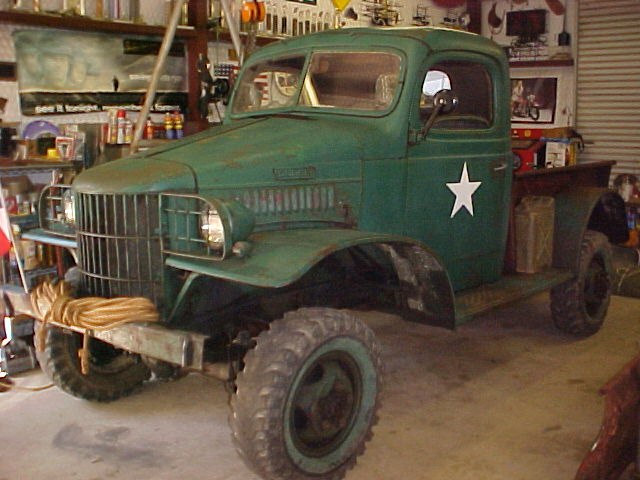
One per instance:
(505, 397)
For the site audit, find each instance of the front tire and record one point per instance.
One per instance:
(579, 306)
(113, 373)
(307, 398)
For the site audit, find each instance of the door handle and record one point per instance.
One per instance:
(500, 167)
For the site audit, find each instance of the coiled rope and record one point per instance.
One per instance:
(53, 302)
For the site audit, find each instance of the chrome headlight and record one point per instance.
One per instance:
(197, 226)
(212, 229)
(69, 206)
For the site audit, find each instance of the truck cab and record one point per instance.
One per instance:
(354, 167)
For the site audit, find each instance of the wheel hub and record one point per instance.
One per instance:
(324, 405)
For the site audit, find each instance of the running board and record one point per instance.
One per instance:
(509, 289)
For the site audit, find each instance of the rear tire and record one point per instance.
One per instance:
(307, 398)
(579, 306)
(113, 373)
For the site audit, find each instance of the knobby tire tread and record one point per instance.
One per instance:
(282, 349)
(567, 299)
(58, 362)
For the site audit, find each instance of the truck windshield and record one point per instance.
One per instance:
(364, 81)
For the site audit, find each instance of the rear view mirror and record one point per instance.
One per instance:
(445, 101)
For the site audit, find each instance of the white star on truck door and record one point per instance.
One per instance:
(463, 190)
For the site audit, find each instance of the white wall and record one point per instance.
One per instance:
(566, 104)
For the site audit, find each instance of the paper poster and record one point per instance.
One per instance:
(61, 72)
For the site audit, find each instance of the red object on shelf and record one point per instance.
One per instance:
(527, 133)
(527, 151)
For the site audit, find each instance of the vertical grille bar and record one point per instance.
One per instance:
(150, 211)
(118, 243)
(136, 241)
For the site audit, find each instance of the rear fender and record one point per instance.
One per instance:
(279, 258)
(579, 209)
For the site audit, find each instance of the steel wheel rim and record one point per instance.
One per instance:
(325, 404)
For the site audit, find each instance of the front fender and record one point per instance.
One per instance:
(279, 258)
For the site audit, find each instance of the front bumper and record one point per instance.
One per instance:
(178, 347)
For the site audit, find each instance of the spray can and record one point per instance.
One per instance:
(128, 131)
(168, 126)
(121, 123)
(177, 124)
(148, 131)
(112, 131)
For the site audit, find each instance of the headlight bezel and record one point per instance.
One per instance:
(185, 215)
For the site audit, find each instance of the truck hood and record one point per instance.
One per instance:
(141, 175)
(253, 151)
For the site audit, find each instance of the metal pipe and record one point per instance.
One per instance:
(218, 370)
(232, 25)
(167, 40)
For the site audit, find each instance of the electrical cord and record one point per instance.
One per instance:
(7, 384)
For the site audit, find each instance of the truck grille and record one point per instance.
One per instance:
(119, 245)
(289, 200)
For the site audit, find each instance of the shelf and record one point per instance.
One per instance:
(68, 22)
(542, 63)
(14, 169)
(225, 36)
(194, 36)
(23, 220)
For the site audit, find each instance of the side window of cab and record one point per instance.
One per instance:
(471, 84)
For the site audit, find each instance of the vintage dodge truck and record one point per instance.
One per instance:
(356, 168)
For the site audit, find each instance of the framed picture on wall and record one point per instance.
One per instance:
(533, 100)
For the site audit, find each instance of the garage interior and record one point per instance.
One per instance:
(505, 396)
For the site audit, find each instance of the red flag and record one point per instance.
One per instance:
(5, 244)
(5, 225)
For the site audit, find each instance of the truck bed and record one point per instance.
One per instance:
(550, 182)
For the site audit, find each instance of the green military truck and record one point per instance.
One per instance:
(356, 168)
